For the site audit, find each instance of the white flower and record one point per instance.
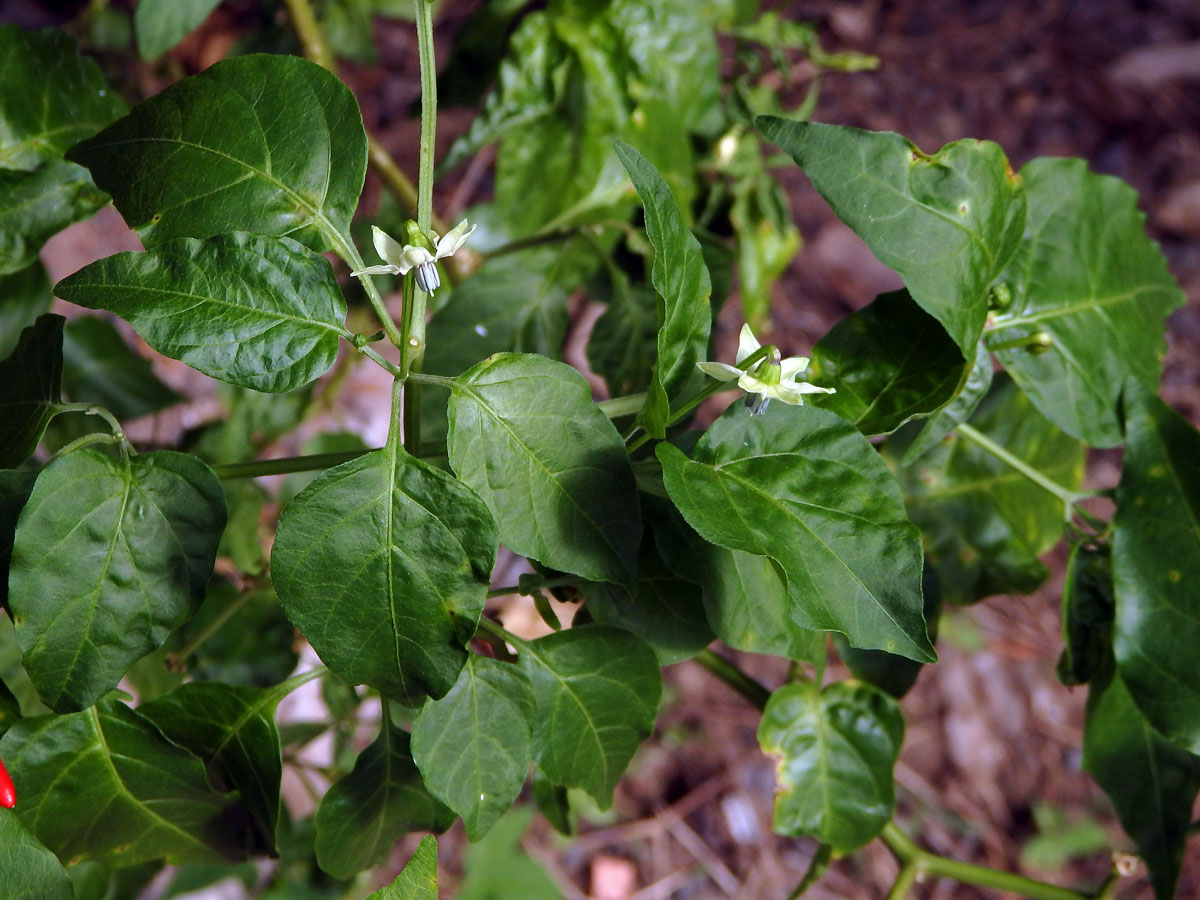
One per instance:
(771, 378)
(421, 253)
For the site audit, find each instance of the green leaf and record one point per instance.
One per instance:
(622, 346)
(1151, 782)
(30, 388)
(473, 745)
(948, 223)
(24, 296)
(161, 24)
(803, 487)
(1155, 555)
(383, 562)
(37, 205)
(218, 152)
(1087, 277)
(109, 558)
(381, 800)
(15, 487)
(418, 879)
(597, 690)
(257, 650)
(256, 311)
(105, 785)
(1087, 614)
(53, 97)
(241, 541)
(681, 280)
(233, 730)
(100, 368)
(835, 751)
(889, 362)
(958, 410)
(745, 596)
(252, 420)
(983, 523)
(10, 708)
(525, 434)
(498, 869)
(27, 869)
(665, 611)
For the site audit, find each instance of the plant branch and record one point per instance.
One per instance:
(285, 465)
(177, 661)
(494, 628)
(748, 687)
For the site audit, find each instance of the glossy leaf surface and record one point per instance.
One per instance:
(99, 367)
(37, 205)
(418, 879)
(24, 296)
(381, 800)
(834, 749)
(984, 524)
(889, 362)
(233, 730)
(105, 785)
(681, 280)
(596, 690)
(948, 223)
(149, 530)
(1087, 614)
(473, 745)
(383, 562)
(53, 97)
(161, 24)
(1151, 782)
(30, 387)
(15, 487)
(256, 311)
(525, 434)
(958, 410)
(1156, 553)
(217, 152)
(27, 869)
(803, 487)
(1088, 277)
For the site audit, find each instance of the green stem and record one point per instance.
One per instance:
(622, 406)
(439, 380)
(816, 868)
(752, 690)
(285, 465)
(395, 438)
(486, 624)
(1067, 496)
(921, 863)
(563, 581)
(86, 441)
(904, 881)
(308, 30)
(376, 357)
(92, 409)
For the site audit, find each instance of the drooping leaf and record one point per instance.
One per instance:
(1089, 278)
(28, 870)
(99, 367)
(1087, 614)
(218, 152)
(146, 532)
(948, 223)
(665, 610)
(24, 296)
(745, 596)
(835, 751)
(256, 311)
(105, 785)
(233, 730)
(681, 280)
(383, 562)
(161, 24)
(983, 523)
(473, 745)
(418, 879)
(889, 362)
(803, 487)
(596, 690)
(1152, 783)
(30, 387)
(36, 205)
(52, 97)
(15, 487)
(380, 801)
(958, 410)
(1155, 555)
(525, 434)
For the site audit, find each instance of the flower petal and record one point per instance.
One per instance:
(720, 371)
(455, 238)
(792, 366)
(377, 270)
(747, 344)
(386, 246)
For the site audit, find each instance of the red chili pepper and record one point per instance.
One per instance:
(8, 793)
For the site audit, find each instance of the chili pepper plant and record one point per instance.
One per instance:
(926, 451)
